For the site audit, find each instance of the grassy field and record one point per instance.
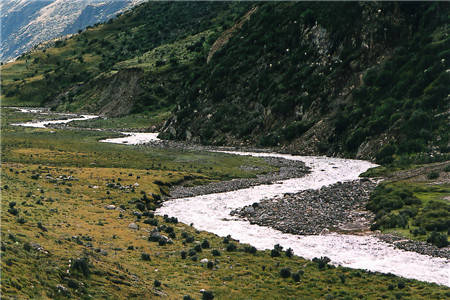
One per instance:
(413, 201)
(59, 240)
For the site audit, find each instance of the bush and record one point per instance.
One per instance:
(296, 277)
(289, 252)
(321, 262)
(198, 248)
(215, 252)
(210, 265)
(145, 256)
(250, 249)
(275, 253)
(438, 239)
(285, 272)
(157, 283)
(401, 284)
(447, 168)
(187, 297)
(183, 254)
(72, 283)
(231, 247)
(81, 265)
(207, 295)
(433, 175)
(205, 244)
(226, 239)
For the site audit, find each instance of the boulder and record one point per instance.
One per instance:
(133, 226)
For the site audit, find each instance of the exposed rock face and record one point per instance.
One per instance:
(111, 95)
(339, 207)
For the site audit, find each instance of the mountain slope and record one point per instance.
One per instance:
(27, 23)
(333, 78)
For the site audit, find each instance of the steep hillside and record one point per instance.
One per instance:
(360, 79)
(27, 23)
(161, 39)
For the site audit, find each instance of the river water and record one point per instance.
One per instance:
(212, 213)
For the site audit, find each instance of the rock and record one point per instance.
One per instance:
(110, 207)
(205, 260)
(133, 226)
(62, 289)
(166, 239)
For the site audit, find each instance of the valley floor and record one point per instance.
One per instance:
(77, 220)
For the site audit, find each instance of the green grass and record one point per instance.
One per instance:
(134, 122)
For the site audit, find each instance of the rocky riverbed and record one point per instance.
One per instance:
(419, 247)
(339, 207)
(287, 169)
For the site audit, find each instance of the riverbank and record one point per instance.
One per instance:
(286, 169)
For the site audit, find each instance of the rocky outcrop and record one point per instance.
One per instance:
(111, 94)
(223, 39)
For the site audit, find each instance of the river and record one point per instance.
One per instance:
(212, 213)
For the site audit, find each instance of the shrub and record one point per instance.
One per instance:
(210, 265)
(157, 283)
(198, 248)
(433, 175)
(401, 284)
(275, 253)
(321, 262)
(81, 265)
(296, 277)
(183, 254)
(26, 247)
(205, 244)
(438, 239)
(250, 249)
(226, 239)
(391, 287)
(72, 283)
(278, 247)
(13, 211)
(145, 256)
(285, 272)
(192, 252)
(447, 168)
(207, 295)
(215, 252)
(187, 297)
(231, 247)
(289, 252)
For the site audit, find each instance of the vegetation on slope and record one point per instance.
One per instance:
(38, 77)
(365, 79)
